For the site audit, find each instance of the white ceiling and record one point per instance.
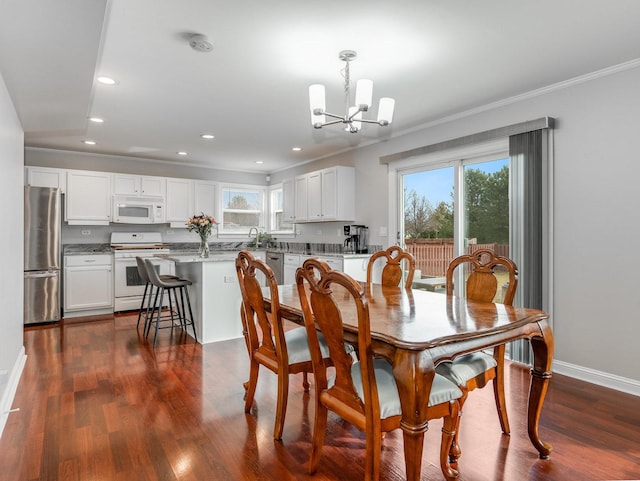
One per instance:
(435, 57)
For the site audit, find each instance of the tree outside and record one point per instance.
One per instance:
(240, 213)
(486, 210)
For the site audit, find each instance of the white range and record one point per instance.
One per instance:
(128, 286)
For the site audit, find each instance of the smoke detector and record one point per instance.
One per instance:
(200, 43)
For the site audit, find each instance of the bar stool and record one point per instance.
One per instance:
(148, 287)
(170, 285)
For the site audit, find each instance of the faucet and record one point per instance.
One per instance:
(257, 235)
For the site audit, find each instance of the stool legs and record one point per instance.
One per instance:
(144, 297)
(179, 311)
(185, 289)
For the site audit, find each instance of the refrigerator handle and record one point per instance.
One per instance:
(40, 275)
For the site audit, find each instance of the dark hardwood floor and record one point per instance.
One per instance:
(98, 403)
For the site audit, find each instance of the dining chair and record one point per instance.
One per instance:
(283, 352)
(362, 391)
(394, 258)
(475, 370)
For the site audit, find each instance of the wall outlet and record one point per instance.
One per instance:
(340, 232)
(85, 232)
(383, 232)
(230, 279)
(169, 232)
(319, 232)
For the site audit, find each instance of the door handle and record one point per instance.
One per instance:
(40, 275)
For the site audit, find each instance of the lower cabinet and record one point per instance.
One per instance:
(355, 266)
(291, 264)
(88, 285)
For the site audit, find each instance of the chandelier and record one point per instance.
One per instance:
(352, 117)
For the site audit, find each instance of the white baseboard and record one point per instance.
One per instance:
(10, 390)
(619, 383)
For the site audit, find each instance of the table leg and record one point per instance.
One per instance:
(540, 374)
(414, 373)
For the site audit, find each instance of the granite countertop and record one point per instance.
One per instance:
(214, 256)
(337, 255)
(219, 252)
(85, 249)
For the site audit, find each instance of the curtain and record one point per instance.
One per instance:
(529, 161)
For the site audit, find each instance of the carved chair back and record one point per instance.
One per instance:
(482, 284)
(394, 258)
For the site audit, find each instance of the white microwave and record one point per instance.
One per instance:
(135, 210)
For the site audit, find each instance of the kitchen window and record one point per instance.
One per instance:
(242, 208)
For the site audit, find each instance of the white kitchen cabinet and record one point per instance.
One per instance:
(291, 264)
(334, 262)
(46, 177)
(88, 285)
(139, 185)
(88, 198)
(356, 267)
(327, 195)
(314, 196)
(179, 201)
(204, 194)
(288, 201)
(300, 202)
(338, 194)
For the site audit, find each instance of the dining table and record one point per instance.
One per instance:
(417, 329)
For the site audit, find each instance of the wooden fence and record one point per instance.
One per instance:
(432, 259)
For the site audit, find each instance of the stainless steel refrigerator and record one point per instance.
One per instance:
(42, 224)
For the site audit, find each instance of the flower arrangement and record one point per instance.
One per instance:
(202, 224)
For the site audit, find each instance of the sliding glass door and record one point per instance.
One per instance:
(454, 208)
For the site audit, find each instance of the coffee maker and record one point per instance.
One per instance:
(357, 240)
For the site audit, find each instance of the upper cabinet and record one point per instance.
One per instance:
(179, 201)
(204, 197)
(139, 185)
(288, 200)
(300, 202)
(88, 198)
(46, 177)
(329, 195)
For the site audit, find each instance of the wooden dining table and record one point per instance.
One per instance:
(416, 329)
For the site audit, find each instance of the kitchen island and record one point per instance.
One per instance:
(215, 293)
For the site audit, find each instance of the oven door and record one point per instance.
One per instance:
(128, 286)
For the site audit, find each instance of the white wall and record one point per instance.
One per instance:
(11, 246)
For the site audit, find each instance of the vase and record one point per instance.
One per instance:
(203, 250)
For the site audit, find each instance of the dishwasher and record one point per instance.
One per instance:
(275, 260)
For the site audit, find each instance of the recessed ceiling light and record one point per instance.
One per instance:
(97, 120)
(106, 80)
(296, 149)
(207, 136)
(89, 142)
(181, 153)
(259, 162)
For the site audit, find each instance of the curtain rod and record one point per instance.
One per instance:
(500, 132)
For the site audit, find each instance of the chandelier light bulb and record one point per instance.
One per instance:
(317, 104)
(385, 111)
(364, 94)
